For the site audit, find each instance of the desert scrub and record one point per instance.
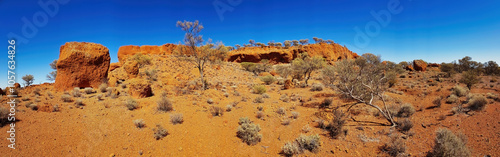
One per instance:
(99, 97)
(176, 118)
(159, 132)
(248, 132)
(459, 91)
(76, 92)
(88, 90)
(395, 147)
(311, 143)
(260, 114)
(281, 111)
(229, 108)
(406, 110)
(32, 106)
(142, 59)
(139, 123)
(317, 87)
(265, 95)
(131, 104)
(259, 99)
(79, 103)
(452, 99)
(295, 115)
(36, 91)
(210, 101)
(448, 144)
(103, 87)
(404, 125)
(66, 98)
(164, 104)
(216, 111)
(259, 89)
(336, 126)
(285, 122)
(437, 101)
(326, 103)
(268, 79)
(284, 98)
(477, 102)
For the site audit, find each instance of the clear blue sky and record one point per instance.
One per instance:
(436, 31)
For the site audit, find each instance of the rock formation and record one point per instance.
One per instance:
(126, 51)
(419, 65)
(81, 64)
(140, 88)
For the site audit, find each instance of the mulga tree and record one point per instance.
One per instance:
(278, 44)
(237, 46)
(195, 51)
(295, 43)
(252, 42)
(28, 80)
(271, 43)
(52, 75)
(304, 41)
(363, 80)
(306, 64)
(287, 43)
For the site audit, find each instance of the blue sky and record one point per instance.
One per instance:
(436, 31)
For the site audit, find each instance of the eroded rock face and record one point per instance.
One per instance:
(140, 88)
(419, 65)
(113, 66)
(126, 51)
(81, 64)
(132, 68)
(331, 52)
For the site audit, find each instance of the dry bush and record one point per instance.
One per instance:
(55, 108)
(229, 108)
(265, 95)
(36, 91)
(477, 102)
(32, 106)
(336, 125)
(268, 79)
(176, 118)
(448, 144)
(459, 91)
(259, 89)
(281, 111)
(284, 98)
(99, 97)
(311, 143)
(452, 99)
(295, 115)
(492, 96)
(259, 99)
(469, 78)
(285, 122)
(139, 123)
(76, 92)
(326, 103)
(395, 147)
(260, 108)
(88, 90)
(216, 111)
(291, 148)
(317, 87)
(437, 101)
(79, 103)
(406, 110)
(260, 114)
(404, 125)
(66, 98)
(131, 104)
(210, 101)
(141, 59)
(164, 104)
(248, 132)
(159, 132)
(103, 87)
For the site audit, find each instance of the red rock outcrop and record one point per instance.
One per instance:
(419, 65)
(331, 52)
(114, 66)
(81, 64)
(434, 65)
(132, 68)
(1, 92)
(140, 88)
(17, 85)
(125, 51)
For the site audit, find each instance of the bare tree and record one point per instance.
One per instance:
(28, 80)
(363, 79)
(52, 75)
(195, 51)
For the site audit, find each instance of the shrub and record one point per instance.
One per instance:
(99, 97)
(448, 144)
(291, 148)
(259, 89)
(248, 132)
(260, 114)
(131, 104)
(103, 87)
(295, 115)
(437, 101)
(284, 98)
(229, 108)
(76, 92)
(469, 78)
(317, 87)
(404, 125)
(310, 143)
(142, 59)
(210, 101)
(459, 91)
(326, 102)
(66, 98)
(285, 122)
(176, 118)
(37, 91)
(477, 102)
(305, 65)
(268, 79)
(28, 80)
(335, 127)
(55, 108)
(395, 147)
(265, 95)
(491, 96)
(406, 110)
(159, 132)
(281, 111)
(259, 99)
(88, 90)
(78, 103)
(452, 99)
(32, 106)
(164, 104)
(216, 111)
(139, 123)
(4, 115)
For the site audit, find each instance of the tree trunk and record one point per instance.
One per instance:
(386, 116)
(200, 69)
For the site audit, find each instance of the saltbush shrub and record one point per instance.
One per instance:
(259, 89)
(164, 104)
(459, 91)
(317, 87)
(406, 110)
(268, 79)
(477, 102)
(159, 132)
(131, 104)
(176, 118)
(139, 123)
(248, 132)
(448, 144)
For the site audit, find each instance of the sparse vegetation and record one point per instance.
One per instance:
(395, 147)
(477, 102)
(295, 115)
(336, 125)
(164, 104)
(88, 90)
(53, 74)
(28, 80)
(259, 89)
(260, 114)
(317, 87)
(248, 132)
(437, 101)
(131, 104)
(79, 103)
(281, 111)
(452, 99)
(326, 103)
(66, 98)
(216, 111)
(404, 125)
(76, 92)
(259, 99)
(141, 59)
(305, 65)
(459, 91)
(103, 87)
(469, 78)
(302, 143)
(36, 91)
(139, 123)
(449, 144)
(406, 110)
(159, 132)
(268, 79)
(176, 118)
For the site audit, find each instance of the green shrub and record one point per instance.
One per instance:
(259, 89)
(448, 144)
(268, 79)
(291, 148)
(142, 59)
(248, 132)
(336, 125)
(469, 78)
(311, 143)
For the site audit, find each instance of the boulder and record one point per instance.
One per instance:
(435, 65)
(139, 88)
(17, 85)
(131, 68)
(1, 92)
(113, 66)
(419, 65)
(81, 64)
(409, 68)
